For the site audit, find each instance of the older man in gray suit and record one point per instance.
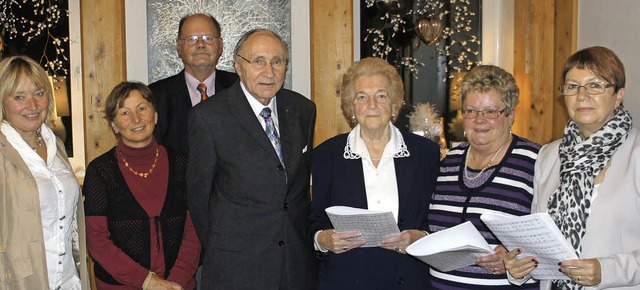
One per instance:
(248, 175)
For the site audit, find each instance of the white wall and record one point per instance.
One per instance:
(614, 24)
(497, 33)
(75, 53)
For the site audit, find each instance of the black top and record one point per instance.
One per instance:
(107, 194)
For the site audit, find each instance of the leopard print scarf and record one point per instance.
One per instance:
(580, 161)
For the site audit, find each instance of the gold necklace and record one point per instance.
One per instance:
(466, 162)
(141, 174)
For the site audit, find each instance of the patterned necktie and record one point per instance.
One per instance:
(271, 132)
(202, 88)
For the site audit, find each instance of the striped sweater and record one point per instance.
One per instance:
(508, 188)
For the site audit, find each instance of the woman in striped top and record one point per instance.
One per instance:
(493, 172)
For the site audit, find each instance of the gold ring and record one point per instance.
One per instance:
(398, 250)
(345, 248)
(578, 278)
(495, 270)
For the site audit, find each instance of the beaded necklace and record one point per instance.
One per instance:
(38, 142)
(141, 174)
(466, 162)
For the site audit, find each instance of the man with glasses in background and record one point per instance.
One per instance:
(199, 44)
(249, 172)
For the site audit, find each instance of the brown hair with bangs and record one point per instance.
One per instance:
(120, 93)
(601, 61)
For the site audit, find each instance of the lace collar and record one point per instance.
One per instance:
(356, 149)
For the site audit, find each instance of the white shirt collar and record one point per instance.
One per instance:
(24, 149)
(257, 107)
(356, 149)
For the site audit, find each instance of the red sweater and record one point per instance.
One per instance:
(150, 193)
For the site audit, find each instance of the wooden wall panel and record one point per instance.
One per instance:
(542, 41)
(545, 34)
(533, 60)
(566, 43)
(103, 66)
(520, 56)
(331, 54)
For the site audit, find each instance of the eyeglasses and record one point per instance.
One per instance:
(594, 88)
(260, 62)
(207, 39)
(488, 113)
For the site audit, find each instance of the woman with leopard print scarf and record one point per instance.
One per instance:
(589, 181)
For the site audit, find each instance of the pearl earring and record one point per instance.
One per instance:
(464, 133)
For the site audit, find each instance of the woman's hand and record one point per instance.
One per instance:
(585, 272)
(157, 283)
(518, 268)
(493, 263)
(400, 242)
(337, 242)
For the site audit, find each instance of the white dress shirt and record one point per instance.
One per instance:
(257, 108)
(59, 191)
(380, 182)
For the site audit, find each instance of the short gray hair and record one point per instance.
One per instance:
(247, 34)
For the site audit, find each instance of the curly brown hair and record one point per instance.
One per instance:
(484, 78)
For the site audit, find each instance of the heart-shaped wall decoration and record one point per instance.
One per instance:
(428, 29)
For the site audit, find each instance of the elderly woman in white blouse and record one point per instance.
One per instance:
(375, 167)
(42, 243)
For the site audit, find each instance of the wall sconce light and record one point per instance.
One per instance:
(1, 41)
(60, 107)
(455, 103)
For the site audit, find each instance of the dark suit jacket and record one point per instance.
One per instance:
(248, 210)
(173, 105)
(340, 181)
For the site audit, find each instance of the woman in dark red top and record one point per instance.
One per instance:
(139, 230)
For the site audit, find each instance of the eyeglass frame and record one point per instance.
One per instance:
(256, 62)
(605, 86)
(200, 37)
(484, 114)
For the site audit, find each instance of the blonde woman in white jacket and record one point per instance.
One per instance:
(42, 229)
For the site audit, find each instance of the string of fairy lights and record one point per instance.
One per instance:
(36, 20)
(454, 40)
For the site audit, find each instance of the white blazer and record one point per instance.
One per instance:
(613, 227)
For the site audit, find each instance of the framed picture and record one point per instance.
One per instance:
(153, 24)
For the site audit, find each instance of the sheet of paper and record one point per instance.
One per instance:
(452, 248)
(374, 226)
(537, 235)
